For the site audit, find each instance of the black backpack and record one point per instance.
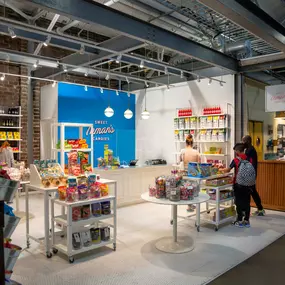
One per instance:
(246, 173)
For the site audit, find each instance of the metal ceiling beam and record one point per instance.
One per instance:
(264, 66)
(232, 10)
(97, 14)
(262, 59)
(120, 44)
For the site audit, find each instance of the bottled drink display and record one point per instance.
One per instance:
(212, 110)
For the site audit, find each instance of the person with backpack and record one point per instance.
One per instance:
(251, 154)
(244, 180)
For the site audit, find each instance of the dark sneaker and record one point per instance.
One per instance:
(246, 224)
(259, 213)
(238, 224)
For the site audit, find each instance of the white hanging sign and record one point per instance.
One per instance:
(275, 98)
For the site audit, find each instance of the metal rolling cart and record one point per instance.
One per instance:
(64, 245)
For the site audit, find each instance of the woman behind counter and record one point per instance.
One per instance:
(6, 154)
(189, 154)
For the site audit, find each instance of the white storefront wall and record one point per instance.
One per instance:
(155, 136)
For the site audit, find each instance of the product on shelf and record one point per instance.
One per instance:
(160, 187)
(104, 189)
(181, 124)
(222, 136)
(225, 213)
(152, 191)
(73, 144)
(187, 123)
(186, 134)
(185, 112)
(3, 135)
(220, 181)
(215, 135)
(76, 213)
(193, 122)
(106, 208)
(212, 110)
(61, 193)
(71, 190)
(225, 194)
(73, 166)
(181, 135)
(105, 233)
(85, 212)
(86, 238)
(95, 235)
(199, 170)
(176, 124)
(82, 188)
(176, 135)
(96, 209)
(203, 135)
(85, 166)
(215, 121)
(222, 121)
(208, 135)
(76, 241)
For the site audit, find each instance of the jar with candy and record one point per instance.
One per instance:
(174, 194)
(160, 187)
(184, 193)
(152, 191)
(61, 193)
(71, 190)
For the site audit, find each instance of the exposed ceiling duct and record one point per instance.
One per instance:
(239, 50)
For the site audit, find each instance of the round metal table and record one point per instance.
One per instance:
(177, 244)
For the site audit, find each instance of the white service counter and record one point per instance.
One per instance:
(133, 181)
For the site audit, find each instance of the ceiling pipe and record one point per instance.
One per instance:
(111, 2)
(50, 27)
(68, 26)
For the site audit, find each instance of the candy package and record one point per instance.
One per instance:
(76, 241)
(86, 238)
(71, 194)
(84, 160)
(61, 193)
(105, 233)
(85, 212)
(82, 188)
(106, 208)
(104, 189)
(95, 235)
(96, 209)
(152, 191)
(76, 213)
(94, 191)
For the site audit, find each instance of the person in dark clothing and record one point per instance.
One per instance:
(252, 157)
(241, 193)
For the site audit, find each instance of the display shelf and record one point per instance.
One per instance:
(11, 140)
(223, 221)
(3, 127)
(214, 154)
(73, 149)
(185, 129)
(212, 115)
(63, 248)
(63, 220)
(221, 201)
(185, 117)
(223, 187)
(10, 115)
(58, 132)
(84, 202)
(211, 141)
(212, 128)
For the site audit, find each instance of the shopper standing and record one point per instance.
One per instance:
(189, 154)
(244, 178)
(251, 154)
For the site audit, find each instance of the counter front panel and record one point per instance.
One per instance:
(271, 184)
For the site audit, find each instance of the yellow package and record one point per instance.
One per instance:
(3, 136)
(10, 135)
(16, 135)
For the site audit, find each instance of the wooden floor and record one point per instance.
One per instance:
(265, 268)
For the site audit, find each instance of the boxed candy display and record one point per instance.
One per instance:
(199, 170)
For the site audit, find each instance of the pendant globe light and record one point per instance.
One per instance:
(145, 114)
(109, 112)
(128, 114)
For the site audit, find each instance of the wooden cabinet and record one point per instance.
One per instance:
(271, 184)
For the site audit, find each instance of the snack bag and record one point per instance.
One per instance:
(104, 189)
(82, 192)
(85, 212)
(96, 209)
(86, 238)
(71, 194)
(76, 241)
(106, 208)
(84, 159)
(95, 235)
(61, 193)
(105, 233)
(94, 191)
(76, 214)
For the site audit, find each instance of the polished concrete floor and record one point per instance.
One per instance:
(265, 267)
(137, 261)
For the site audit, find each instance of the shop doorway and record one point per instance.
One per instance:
(255, 129)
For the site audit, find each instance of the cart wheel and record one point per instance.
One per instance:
(195, 224)
(49, 254)
(114, 246)
(216, 229)
(62, 236)
(208, 212)
(171, 222)
(71, 259)
(54, 250)
(198, 229)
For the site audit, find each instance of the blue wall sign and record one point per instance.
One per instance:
(75, 105)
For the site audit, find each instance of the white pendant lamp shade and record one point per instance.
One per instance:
(109, 112)
(145, 115)
(128, 114)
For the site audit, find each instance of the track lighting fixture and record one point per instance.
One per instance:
(168, 88)
(2, 77)
(36, 64)
(210, 81)
(64, 68)
(46, 43)
(146, 84)
(101, 90)
(142, 64)
(82, 49)
(85, 88)
(165, 70)
(53, 84)
(117, 92)
(12, 33)
(181, 74)
(107, 76)
(119, 57)
(86, 74)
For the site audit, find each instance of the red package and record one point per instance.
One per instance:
(76, 213)
(85, 212)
